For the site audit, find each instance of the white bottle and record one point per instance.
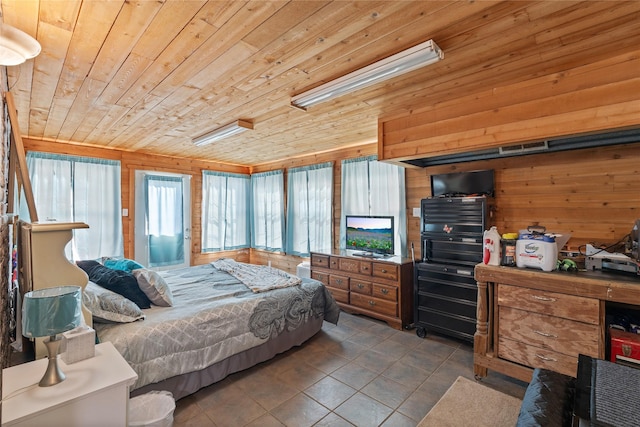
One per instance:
(491, 246)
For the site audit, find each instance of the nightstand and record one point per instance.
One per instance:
(95, 392)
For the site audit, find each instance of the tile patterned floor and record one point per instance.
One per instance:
(358, 373)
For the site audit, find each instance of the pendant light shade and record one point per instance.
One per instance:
(16, 46)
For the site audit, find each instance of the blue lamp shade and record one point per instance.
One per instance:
(51, 311)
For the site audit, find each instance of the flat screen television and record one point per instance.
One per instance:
(370, 235)
(479, 183)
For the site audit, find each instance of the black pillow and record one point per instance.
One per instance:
(117, 281)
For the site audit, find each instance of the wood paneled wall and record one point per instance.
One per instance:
(585, 99)
(592, 193)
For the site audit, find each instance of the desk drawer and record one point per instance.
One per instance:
(537, 357)
(555, 333)
(385, 271)
(374, 304)
(339, 295)
(560, 305)
(340, 282)
(385, 292)
(360, 286)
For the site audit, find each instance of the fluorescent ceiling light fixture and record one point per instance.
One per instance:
(403, 62)
(16, 46)
(225, 131)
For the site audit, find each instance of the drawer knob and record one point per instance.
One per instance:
(384, 270)
(372, 303)
(545, 358)
(384, 291)
(545, 334)
(339, 281)
(539, 298)
(360, 285)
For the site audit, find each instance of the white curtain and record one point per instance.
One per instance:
(165, 224)
(267, 211)
(225, 211)
(309, 209)
(79, 189)
(374, 188)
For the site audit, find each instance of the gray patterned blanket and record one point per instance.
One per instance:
(214, 316)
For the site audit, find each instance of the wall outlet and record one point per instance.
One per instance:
(416, 212)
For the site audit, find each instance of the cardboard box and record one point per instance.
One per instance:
(624, 346)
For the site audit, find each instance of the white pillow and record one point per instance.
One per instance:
(154, 287)
(107, 306)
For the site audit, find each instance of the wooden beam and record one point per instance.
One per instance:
(17, 149)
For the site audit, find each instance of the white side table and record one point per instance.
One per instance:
(95, 392)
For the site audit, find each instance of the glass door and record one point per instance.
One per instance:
(162, 220)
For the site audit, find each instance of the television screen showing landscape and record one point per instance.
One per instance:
(371, 234)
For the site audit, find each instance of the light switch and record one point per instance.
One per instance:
(416, 212)
(125, 212)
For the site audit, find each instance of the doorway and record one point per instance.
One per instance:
(162, 220)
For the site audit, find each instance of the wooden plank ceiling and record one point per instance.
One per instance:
(149, 76)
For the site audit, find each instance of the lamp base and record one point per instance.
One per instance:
(53, 375)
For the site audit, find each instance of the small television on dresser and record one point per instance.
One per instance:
(370, 235)
(478, 183)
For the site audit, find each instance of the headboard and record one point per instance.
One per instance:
(42, 262)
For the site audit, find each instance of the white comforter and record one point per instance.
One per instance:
(214, 316)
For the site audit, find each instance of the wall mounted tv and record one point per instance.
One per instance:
(370, 235)
(476, 183)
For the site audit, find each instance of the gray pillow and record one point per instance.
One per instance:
(109, 307)
(154, 287)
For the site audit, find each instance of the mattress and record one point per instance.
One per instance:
(214, 317)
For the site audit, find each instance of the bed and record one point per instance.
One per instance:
(216, 325)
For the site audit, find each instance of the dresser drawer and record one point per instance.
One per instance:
(560, 305)
(334, 263)
(365, 267)
(349, 265)
(340, 282)
(319, 260)
(374, 304)
(339, 295)
(322, 277)
(385, 271)
(360, 286)
(385, 292)
(537, 357)
(555, 333)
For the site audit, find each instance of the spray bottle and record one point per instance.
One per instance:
(491, 240)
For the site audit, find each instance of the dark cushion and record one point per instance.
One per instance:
(117, 281)
(548, 400)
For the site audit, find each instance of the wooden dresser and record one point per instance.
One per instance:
(528, 318)
(380, 288)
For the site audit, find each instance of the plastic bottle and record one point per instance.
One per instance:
(491, 240)
(509, 249)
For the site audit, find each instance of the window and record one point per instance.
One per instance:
(370, 187)
(79, 189)
(309, 209)
(267, 211)
(225, 211)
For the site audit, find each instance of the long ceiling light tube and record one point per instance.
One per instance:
(403, 62)
(225, 131)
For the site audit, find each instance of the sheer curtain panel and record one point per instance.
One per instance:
(309, 209)
(374, 188)
(225, 211)
(79, 189)
(267, 211)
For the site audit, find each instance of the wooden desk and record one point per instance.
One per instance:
(529, 318)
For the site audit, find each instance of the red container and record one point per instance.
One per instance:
(625, 344)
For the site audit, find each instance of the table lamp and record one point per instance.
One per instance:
(49, 312)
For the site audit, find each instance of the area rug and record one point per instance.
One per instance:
(468, 403)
